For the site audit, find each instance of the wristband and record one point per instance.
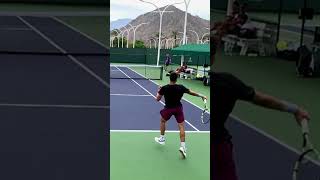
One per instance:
(291, 108)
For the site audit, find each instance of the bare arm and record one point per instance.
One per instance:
(192, 93)
(270, 102)
(158, 97)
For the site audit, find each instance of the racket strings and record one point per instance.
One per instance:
(205, 117)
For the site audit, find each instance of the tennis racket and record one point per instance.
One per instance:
(307, 150)
(205, 116)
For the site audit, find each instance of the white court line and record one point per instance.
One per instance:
(54, 106)
(154, 96)
(134, 95)
(78, 31)
(272, 138)
(88, 70)
(293, 32)
(157, 131)
(55, 13)
(16, 29)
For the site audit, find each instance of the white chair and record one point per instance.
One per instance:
(254, 44)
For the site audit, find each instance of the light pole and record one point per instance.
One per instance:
(167, 43)
(160, 26)
(122, 36)
(181, 41)
(204, 36)
(187, 3)
(184, 40)
(118, 36)
(112, 38)
(198, 39)
(165, 40)
(173, 43)
(119, 32)
(206, 41)
(170, 43)
(128, 30)
(155, 43)
(134, 32)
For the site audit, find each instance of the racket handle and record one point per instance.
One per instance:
(305, 126)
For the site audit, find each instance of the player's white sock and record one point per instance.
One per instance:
(162, 137)
(183, 144)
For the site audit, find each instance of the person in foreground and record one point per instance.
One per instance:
(226, 90)
(173, 93)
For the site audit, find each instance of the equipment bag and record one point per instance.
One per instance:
(305, 63)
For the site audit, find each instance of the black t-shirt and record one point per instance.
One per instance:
(173, 94)
(226, 90)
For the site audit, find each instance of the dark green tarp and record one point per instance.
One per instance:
(192, 49)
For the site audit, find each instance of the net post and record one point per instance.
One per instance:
(161, 72)
(198, 63)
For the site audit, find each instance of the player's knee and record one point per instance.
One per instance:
(163, 120)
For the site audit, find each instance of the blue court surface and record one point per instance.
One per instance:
(53, 105)
(260, 156)
(133, 106)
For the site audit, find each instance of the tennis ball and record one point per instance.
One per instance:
(282, 45)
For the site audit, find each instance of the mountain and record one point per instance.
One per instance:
(119, 23)
(172, 21)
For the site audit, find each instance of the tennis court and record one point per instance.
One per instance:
(135, 122)
(53, 99)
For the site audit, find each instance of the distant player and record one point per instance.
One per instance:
(167, 62)
(173, 93)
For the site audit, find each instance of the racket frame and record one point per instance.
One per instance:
(307, 148)
(205, 110)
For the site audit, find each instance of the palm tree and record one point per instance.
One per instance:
(114, 32)
(174, 35)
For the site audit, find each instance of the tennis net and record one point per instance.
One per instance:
(52, 34)
(132, 71)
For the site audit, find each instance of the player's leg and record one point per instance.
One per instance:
(165, 116)
(162, 126)
(180, 120)
(223, 162)
(182, 133)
